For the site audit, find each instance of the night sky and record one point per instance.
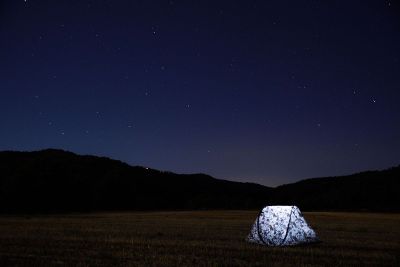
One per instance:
(259, 91)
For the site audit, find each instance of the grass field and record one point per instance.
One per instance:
(199, 238)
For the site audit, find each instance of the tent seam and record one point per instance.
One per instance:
(287, 229)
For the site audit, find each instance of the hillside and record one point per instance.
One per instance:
(59, 181)
(370, 190)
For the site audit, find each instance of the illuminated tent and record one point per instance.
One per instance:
(281, 226)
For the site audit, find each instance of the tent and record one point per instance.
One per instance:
(281, 226)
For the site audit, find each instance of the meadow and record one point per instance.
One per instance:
(192, 238)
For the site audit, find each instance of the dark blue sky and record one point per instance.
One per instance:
(260, 91)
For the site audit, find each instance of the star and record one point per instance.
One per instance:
(153, 30)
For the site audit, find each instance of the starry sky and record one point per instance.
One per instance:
(258, 91)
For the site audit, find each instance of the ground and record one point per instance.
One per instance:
(197, 238)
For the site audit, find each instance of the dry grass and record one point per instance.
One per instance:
(200, 238)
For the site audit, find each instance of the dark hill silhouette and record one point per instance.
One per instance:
(370, 190)
(59, 181)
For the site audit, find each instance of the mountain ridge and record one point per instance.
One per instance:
(54, 180)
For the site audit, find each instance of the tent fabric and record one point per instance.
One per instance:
(281, 226)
